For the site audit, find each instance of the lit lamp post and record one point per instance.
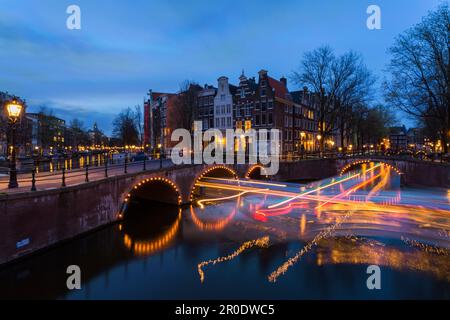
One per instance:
(319, 141)
(14, 110)
(302, 143)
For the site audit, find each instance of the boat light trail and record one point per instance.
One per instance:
(291, 261)
(248, 182)
(200, 202)
(321, 188)
(322, 235)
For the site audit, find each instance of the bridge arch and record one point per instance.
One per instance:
(160, 189)
(255, 172)
(144, 247)
(358, 162)
(216, 171)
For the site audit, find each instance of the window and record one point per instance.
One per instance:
(222, 97)
(242, 93)
(248, 125)
(217, 122)
(269, 118)
(257, 120)
(263, 119)
(228, 108)
(222, 122)
(270, 104)
(263, 106)
(247, 109)
(263, 92)
(229, 122)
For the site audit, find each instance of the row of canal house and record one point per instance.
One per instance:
(263, 103)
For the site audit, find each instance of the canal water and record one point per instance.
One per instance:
(260, 243)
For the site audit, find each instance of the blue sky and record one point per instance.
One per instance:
(127, 47)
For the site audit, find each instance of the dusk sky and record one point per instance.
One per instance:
(124, 48)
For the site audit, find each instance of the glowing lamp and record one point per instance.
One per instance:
(14, 110)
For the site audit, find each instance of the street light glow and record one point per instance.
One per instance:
(14, 109)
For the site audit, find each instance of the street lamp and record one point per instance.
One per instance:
(14, 110)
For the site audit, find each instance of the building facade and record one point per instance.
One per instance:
(204, 110)
(46, 133)
(223, 104)
(159, 122)
(265, 103)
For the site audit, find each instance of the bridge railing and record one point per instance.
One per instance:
(355, 154)
(86, 173)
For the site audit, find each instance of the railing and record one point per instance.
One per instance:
(341, 155)
(85, 173)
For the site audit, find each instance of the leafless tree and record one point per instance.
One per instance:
(125, 128)
(420, 72)
(339, 82)
(139, 121)
(184, 105)
(316, 74)
(353, 86)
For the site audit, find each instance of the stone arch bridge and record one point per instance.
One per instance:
(31, 221)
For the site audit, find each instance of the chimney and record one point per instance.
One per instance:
(262, 72)
(284, 81)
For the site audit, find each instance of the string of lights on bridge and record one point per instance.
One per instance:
(350, 165)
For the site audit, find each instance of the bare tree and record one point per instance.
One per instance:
(185, 104)
(125, 128)
(316, 74)
(371, 124)
(139, 120)
(76, 134)
(353, 86)
(339, 83)
(420, 72)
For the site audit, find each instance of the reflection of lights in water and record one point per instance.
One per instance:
(377, 212)
(143, 247)
(322, 235)
(303, 224)
(425, 247)
(291, 261)
(261, 242)
(212, 226)
(283, 210)
(370, 252)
